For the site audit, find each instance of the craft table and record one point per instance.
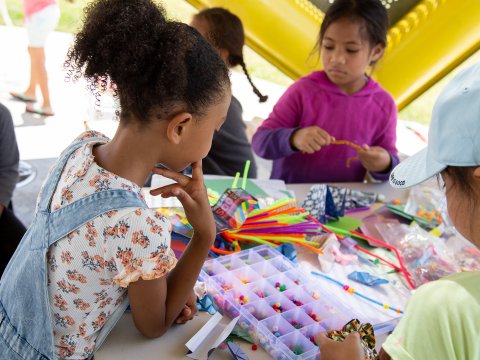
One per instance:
(125, 341)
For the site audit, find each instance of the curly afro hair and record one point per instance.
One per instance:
(157, 67)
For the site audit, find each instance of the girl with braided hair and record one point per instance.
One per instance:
(230, 146)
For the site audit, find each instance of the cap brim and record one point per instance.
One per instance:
(415, 170)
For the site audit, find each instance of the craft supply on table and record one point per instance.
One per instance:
(355, 200)
(425, 205)
(280, 223)
(400, 267)
(321, 205)
(232, 209)
(352, 291)
(237, 352)
(366, 278)
(286, 307)
(325, 202)
(332, 253)
(239, 221)
(429, 257)
(367, 336)
(351, 144)
(210, 336)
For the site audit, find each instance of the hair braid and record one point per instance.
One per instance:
(261, 98)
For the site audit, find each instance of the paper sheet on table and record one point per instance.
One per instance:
(210, 336)
(275, 189)
(256, 187)
(158, 201)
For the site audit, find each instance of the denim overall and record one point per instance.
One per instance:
(25, 317)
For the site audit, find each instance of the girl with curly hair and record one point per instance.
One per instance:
(94, 245)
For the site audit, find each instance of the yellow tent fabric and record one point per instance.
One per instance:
(424, 45)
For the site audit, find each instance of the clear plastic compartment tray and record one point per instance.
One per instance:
(280, 307)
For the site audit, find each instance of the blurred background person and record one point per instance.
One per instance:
(230, 147)
(41, 17)
(11, 229)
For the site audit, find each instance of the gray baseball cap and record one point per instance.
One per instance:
(454, 134)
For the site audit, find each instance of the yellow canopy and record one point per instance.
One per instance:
(429, 39)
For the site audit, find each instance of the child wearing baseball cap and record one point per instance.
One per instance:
(442, 318)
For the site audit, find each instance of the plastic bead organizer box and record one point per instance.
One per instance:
(279, 306)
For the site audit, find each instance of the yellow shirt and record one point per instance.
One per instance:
(442, 321)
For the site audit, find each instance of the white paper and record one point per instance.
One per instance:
(154, 202)
(210, 336)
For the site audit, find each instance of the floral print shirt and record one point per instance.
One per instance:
(90, 269)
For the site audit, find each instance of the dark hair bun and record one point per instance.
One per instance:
(118, 36)
(154, 64)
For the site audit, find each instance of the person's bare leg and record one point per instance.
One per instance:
(34, 79)
(41, 74)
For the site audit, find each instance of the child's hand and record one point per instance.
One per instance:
(193, 195)
(310, 139)
(375, 158)
(349, 349)
(189, 310)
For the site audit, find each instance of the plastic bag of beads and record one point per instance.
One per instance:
(425, 256)
(466, 255)
(425, 202)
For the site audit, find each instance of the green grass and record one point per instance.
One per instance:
(72, 13)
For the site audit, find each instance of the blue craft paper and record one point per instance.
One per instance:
(288, 251)
(366, 278)
(207, 304)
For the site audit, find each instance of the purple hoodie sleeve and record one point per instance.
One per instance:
(273, 143)
(388, 139)
(384, 175)
(272, 138)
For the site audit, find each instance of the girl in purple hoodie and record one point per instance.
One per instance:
(335, 125)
